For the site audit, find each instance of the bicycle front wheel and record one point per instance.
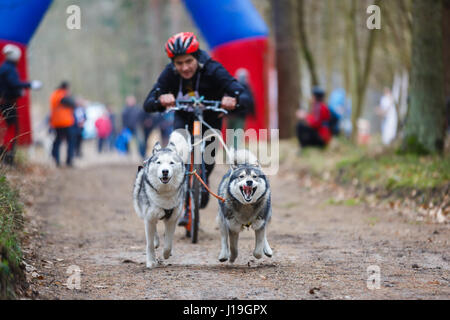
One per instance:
(195, 206)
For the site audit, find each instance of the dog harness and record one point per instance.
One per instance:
(168, 213)
(194, 172)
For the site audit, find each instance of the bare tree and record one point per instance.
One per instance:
(446, 45)
(425, 124)
(287, 62)
(307, 54)
(360, 74)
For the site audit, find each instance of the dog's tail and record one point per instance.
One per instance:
(182, 141)
(243, 156)
(138, 185)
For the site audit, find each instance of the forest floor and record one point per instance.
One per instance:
(83, 219)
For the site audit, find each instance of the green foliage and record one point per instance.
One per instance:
(372, 170)
(397, 171)
(412, 145)
(11, 222)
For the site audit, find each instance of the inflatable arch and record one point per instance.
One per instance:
(19, 20)
(238, 38)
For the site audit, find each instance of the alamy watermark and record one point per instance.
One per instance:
(74, 280)
(374, 277)
(73, 21)
(374, 20)
(263, 144)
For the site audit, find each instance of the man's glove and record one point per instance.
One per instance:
(36, 85)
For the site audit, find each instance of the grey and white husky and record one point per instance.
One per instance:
(158, 194)
(247, 204)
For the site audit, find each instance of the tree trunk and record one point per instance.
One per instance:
(425, 124)
(330, 43)
(288, 68)
(360, 80)
(355, 73)
(304, 43)
(446, 46)
(347, 57)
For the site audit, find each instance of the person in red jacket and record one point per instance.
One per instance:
(104, 128)
(312, 128)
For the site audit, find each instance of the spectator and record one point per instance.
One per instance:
(151, 121)
(388, 113)
(336, 105)
(80, 119)
(236, 120)
(131, 117)
(104, 128)
(113, 135)
(11, 88)
(312, 128)
(62, 120)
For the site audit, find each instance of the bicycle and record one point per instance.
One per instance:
(192, 201)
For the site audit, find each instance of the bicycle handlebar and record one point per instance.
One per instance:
(194, 105)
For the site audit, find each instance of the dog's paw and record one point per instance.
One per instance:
(257, 254)
(151, 264)
(167, 253)
(268, 252)
(223, 256)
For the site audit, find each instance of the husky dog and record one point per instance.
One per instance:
(158, 194)
(247, 204)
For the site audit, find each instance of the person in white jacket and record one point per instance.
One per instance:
(388, 113)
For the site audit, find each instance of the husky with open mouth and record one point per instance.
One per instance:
(246, 191)
(158, 194)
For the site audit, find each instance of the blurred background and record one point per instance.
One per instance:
(290, 47)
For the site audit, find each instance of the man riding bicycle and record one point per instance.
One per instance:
(192, 73)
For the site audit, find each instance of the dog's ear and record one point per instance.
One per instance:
(234, 165)
(140, 168)
(156, 148)
(171, 146)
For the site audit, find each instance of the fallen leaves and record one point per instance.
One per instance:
(314, 290)
(100, 287)
(36, 275)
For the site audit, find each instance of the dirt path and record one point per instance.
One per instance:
(321, 251)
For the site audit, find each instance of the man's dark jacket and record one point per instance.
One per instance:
(10, 84)
(215, 82)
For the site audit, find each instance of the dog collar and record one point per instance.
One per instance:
(247, 225)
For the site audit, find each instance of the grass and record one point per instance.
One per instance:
(378, 170)
(396, 172)
(11, 223)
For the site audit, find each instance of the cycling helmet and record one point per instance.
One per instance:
(182, 43)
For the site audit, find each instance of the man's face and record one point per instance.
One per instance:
(186, 65)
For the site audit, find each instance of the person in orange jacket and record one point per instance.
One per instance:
(313, 128)
(62, 120)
